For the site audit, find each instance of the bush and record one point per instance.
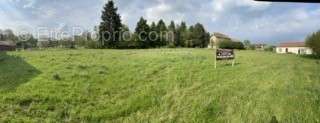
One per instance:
(270, 48)
(313, 41)
(227, 44)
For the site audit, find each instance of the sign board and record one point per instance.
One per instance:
(225, 54)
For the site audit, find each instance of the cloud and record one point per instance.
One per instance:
(163, 11)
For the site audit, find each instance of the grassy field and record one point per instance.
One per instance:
(159, 85)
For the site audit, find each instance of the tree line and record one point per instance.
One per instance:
(22, 41)
(114, 34)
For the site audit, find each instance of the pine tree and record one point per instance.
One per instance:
(154, 35)
(110, 27)
(162, 32)
(190, 35)
(172, 35)
(182, 32)
(142, 32)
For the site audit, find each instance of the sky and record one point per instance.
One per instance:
(260, 22)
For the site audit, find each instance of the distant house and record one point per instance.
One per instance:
(260, 46)
(7, 46)
(216, 37)
(293, 47)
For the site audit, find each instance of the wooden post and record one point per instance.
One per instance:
(215, 63)
(233, 61)
(215, 59)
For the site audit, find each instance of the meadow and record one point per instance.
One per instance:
(157, 86)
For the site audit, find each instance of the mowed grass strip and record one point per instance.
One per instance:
(157, 85)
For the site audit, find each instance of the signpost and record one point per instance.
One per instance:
(225, 54)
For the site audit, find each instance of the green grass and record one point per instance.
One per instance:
(158, 85)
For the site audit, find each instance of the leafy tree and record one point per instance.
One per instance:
(247, 44)
(26, 41)
(110, 26)
(142, 32)
(9, 35)
(313, 41)
(1, 35)
(270, 48)
(198, 36)
(125, 33)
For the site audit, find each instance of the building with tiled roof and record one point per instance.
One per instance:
(295, 47)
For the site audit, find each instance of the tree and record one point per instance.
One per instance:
(154, 35)
(1, 35)
(313, 41)
(172, 34)
(198, 36)
(26, 41)
(247, 44)
(162, 32)
(142, 32)
(9, 35)
(110, 27)
(182, 33)
(125, 33)
(189, 37)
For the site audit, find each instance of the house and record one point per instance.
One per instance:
(216, 37)
(7, 46)
(260, 47)
(293, 47)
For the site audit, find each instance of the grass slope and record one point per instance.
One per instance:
(163, 85)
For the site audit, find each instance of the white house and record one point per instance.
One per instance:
(293, 47)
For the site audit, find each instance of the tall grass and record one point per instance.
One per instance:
(157, 85)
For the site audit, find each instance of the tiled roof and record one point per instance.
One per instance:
(292, 44)
(220, 35)
(6, 43)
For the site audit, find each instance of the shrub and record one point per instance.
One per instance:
(270, 48)
(227, 44)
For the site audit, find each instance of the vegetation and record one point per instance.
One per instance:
(110, 27)
(23, 41)
(247, 45)
(227, 44)
(150, 36)
(159, 85)
(313, 41)
(270, 48)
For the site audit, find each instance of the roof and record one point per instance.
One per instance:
(292, 44)
(6, 43)
(220, 35)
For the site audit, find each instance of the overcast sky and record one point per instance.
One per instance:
(241, 19)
